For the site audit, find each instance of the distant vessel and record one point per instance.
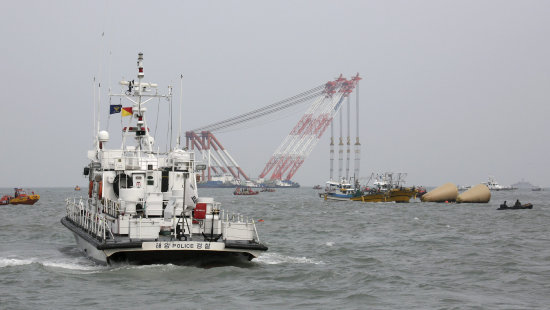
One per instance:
(342, 190)
(388, 187)
(77, 188)
(215, 184)
(523, 185)
(228, 182)
(317, 187)
(267, 189)
(5, 200)
(494, 186)
(278, 183)
(143, 205)
(20, 197)
(536, 189)
(245, 191)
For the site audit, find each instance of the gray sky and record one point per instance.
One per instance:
(452, 90)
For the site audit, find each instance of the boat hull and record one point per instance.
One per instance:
(24, 201)
(397, 195)
(163, 252)
(333, 196)
(371, 198)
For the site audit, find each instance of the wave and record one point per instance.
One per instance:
(275, 259)
(10, 262)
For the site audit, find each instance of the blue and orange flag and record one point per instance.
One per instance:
(115, 108)
(126, 111)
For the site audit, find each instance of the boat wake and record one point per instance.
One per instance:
(6, 262)
(275, 259)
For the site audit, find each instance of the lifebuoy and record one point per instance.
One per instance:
(100, 190)
(90, 189)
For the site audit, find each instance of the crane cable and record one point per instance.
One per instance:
(275, 107)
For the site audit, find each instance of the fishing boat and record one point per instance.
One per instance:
(143, 205)
(20, 197)
(388, 187)
(342, 190)
(317, 187)
(267, 189)
(245, 191)
(403, 194)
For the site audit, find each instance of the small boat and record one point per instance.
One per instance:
(22, 198)
(267, 189)
(5, 199)
(536, 189)
(246, 191)
(317, 187)
(342, 190)
(523, 206)
(77, 188)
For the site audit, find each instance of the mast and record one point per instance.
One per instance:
(348, 141)
(137, 93)
(331, 148)
(357, 144)
(181, 105)
(340, 148)
(140, 115)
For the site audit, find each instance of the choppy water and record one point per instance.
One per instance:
(321, 255)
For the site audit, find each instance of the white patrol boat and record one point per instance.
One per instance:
(143, 206)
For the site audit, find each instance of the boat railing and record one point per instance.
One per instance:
(111, 207)
(240, 219)
(135, 159)
(90, 220)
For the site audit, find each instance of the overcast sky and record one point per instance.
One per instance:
(452, 91)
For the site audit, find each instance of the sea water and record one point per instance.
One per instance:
(322, 255)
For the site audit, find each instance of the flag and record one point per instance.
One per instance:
(115, 108)
(126, 111)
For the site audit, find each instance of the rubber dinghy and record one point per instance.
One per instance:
(523, 206)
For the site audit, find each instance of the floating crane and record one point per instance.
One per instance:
(295, 148)
(325, 101)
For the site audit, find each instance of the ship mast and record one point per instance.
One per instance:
(137, 93)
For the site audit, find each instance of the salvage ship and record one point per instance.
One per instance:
(143, 205)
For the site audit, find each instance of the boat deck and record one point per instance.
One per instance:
(124, 242)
